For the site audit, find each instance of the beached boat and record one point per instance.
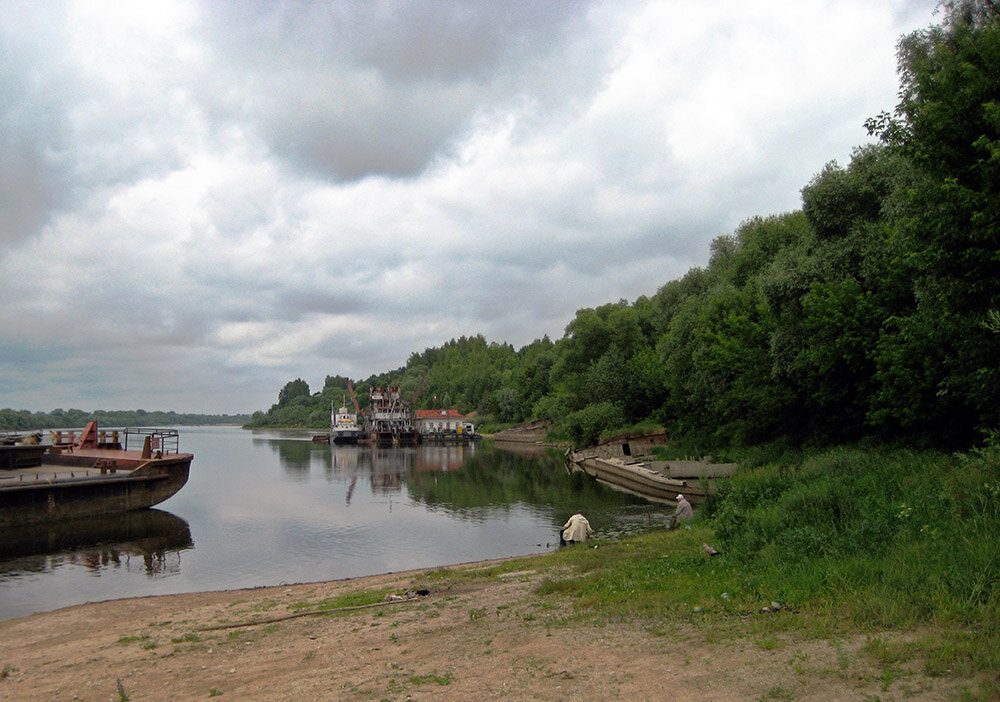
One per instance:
(104, 472)
(639, 479)
(625, 462)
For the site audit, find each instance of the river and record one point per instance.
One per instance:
(268, 508)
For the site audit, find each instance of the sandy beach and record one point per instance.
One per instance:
(474, 631)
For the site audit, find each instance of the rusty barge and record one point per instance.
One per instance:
(104, 472)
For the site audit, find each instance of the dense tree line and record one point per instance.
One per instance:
(75, 418)
(870, 312)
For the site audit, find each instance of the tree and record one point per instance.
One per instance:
(293, 389)
(938, 367)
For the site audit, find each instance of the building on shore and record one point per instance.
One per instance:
(444, 425)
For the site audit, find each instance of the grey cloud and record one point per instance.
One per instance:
(352, 89)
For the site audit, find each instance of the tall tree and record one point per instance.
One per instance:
(939, 368)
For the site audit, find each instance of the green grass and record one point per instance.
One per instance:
(348, 599)
(845, 541)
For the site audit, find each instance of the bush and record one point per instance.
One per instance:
(584, 426)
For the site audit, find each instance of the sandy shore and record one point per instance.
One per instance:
(479, 632)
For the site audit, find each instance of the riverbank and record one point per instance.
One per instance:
(507, 629)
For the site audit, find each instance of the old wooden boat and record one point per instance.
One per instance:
(639, 479)
(625, 463)
(101, 473)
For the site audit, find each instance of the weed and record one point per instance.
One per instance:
(186, 638)
(769, 643)
(431, 678)
(214, 692)
(776, 693)
(7, 671)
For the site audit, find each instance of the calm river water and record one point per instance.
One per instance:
(268, 508)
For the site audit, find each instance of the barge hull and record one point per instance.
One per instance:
(57, 492)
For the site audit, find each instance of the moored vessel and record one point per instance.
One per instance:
(344, 428)
(104, 472)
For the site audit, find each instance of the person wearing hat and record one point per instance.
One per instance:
(683, 513)
(576, 529)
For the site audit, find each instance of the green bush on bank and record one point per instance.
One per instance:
(913, 532)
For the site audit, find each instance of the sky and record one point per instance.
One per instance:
(201, 201)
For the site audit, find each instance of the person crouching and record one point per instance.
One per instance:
(576, 529)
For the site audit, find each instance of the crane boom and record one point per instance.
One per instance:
(354, 399)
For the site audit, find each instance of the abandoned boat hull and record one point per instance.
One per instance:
(639, 480)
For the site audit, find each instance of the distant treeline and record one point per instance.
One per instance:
(75, 418)
(873, 312)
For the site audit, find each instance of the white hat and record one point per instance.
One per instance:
(680, 497)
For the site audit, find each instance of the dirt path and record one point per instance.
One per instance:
(471, 637)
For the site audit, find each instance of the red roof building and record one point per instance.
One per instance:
(439, 421)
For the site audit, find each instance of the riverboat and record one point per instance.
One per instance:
(344, 427)
(104, 472)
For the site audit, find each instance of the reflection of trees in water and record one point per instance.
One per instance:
(146, 541)
(494, 478)
(491, 477)
(296, 456)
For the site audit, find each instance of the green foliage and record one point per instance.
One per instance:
(913, 527)
(585, 426)
(292, 391)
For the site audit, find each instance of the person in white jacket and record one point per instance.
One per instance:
(683, 513)
(576, 529)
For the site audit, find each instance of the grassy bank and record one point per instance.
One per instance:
(843, 542)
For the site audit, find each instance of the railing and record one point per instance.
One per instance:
(165, 440)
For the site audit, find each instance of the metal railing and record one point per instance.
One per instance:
(165, 440)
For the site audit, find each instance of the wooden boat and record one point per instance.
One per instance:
(623, 462)
(102, 473)
(639, 479)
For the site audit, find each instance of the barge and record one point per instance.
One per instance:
(625, 463)
(102, 473)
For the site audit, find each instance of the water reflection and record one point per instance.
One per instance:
(148, 541)
(271, 507)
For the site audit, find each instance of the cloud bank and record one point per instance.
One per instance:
(200, 201)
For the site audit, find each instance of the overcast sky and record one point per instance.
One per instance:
(200, 201)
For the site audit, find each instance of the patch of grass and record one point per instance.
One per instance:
(431, 678)
(189, 637)
(562, 586)
(125, 640)
(776, 693)
(7, 671)
(347, 599)
(769, 643)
